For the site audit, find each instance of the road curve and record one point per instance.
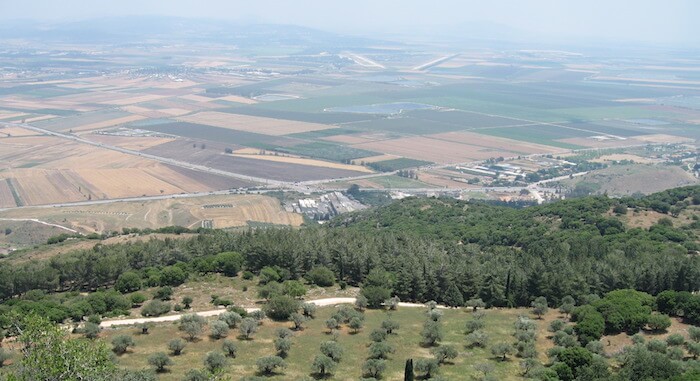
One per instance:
(216, 312)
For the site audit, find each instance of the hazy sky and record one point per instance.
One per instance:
(656, 21)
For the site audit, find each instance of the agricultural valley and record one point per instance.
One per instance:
(208, 200)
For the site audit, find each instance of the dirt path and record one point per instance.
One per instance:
(39, 222)
(216, 312)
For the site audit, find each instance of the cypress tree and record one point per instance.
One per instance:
(408, 371)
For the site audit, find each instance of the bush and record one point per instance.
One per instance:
(355, 324)
(129, 281)
(248, 327)
(137, 299)
(380, 350)
(121, 343)
(298, 320)
(390, 325)
(232, 319)
(270, 364)
(444, 353)
(159, 360)
(196, 375)
(431, 333)
(556, 325)
(376, 295)
(659, 322)
(176, 346)
(230, 348)
(192, 325)
(163, 293)
(309, 310)
(502, 350)
(281, 307)
(426, 368)
(283, 345)
(373, 368)
(187, 301)
(675, 339)
(323, 365)
(477, 339)
(214, 361)
(218, 329)
(91, 330)
(332, 350)
(321, 276)
(247, 275)
(293, 288)
(378, 335)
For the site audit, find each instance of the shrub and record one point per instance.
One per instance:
(163, 293)
(248, 327)
(281, 307)
(373, 368)
(332, 350)
(431, 333)
(444, 353)
(298, 320)
(659, 322)
(159, 360)
(192, 325)
(556, 325)
(196, 375)
(176, 346)
(380, 350)
(91, 330)
(675, 339)
(309, 310)
(218, 329)
(502, 350)
(477, 339)
(376, 295)
(232, 319)
(426, 368)
(355, 324)
(121, 343)
(390, 325)
(230, 348)
(321, 276)
(129, 281)
(214, 361)
(155, 308)
(323, 365)
(283, 345)
(293, 288)
(378, 334)
(539, 306)
(270, 364)
(187, 302)
(137, 299)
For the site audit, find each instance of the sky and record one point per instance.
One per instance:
(669, 22)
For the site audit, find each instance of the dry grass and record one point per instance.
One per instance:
(108, 123)
(438, 151)
(188, 212)
(496, 143)
(303, 161)
(267, 126)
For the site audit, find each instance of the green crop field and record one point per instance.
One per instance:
(396, 164)
(328, 151)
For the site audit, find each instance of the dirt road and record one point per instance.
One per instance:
(216, 312)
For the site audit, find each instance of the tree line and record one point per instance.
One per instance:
(424, 249)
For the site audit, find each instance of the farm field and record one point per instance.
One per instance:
(47, 170)
(267, 126)
(225, 211)
(438, 151)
